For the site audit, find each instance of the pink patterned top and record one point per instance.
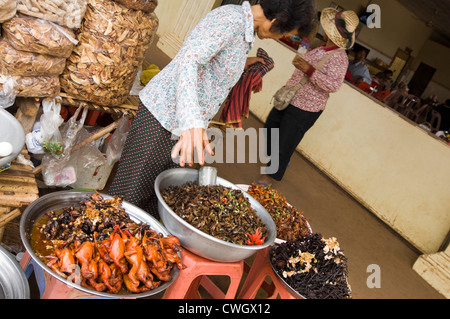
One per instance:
(313, 96)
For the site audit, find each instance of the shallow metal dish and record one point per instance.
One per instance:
(196, 240)
(293, 292)
(62, 199)
(13, 282)
(11, 131)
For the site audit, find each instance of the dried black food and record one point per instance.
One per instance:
(219, 211)
(313, 266)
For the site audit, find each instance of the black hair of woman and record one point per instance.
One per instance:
(290, 15)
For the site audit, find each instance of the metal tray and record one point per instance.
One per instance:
(62, 199)
(11, 131)
(13, 282)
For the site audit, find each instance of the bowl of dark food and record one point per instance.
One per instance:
(100, 244)
(311, 267)
(218, 222)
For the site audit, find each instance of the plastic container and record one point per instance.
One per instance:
(94, 178)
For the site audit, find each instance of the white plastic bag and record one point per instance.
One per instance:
(50, 121)
(117, 141)
(61, 171)
(34, 140)
(7, 93)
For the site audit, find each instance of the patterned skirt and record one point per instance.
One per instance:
(145, 155)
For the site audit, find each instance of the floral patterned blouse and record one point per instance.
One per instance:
(189, 91)
(313, 96)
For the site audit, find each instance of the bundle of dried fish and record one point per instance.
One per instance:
(112, 44)
(219, 211)
(313, 266)
(33, 86)
(39, 36)
(7, 9)
(144, 5)
(22, 63)
(64, 12)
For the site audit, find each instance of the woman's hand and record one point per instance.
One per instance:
(301, 64)
(194, 139)
(252, 60)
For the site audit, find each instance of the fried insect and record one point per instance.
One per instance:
(219, 211)
(290, 222)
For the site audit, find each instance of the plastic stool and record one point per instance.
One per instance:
(195, 275)
(49, 286)
(259, 270)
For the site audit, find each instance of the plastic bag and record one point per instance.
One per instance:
(7, 9)
(50, 121)
(144, 5)
(33, 140)
(112, 45)
(7, 92)
(148, 73)
(39, 36)
(68, 13)
(117, 141)
(22, 63)
(62, 171)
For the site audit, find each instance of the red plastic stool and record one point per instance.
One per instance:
(195, 275)
(259, 271)
(49, 286)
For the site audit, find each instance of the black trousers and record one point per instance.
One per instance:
(292, 123)
(146, 154)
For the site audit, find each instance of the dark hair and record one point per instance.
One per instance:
(290, 15)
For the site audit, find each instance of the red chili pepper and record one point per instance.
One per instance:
(255, 239)
(224, 199)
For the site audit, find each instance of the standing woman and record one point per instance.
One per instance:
(181, 100)
(310, 100)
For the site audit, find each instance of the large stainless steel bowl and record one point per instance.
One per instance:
(13, 281)
(196, 240)
(11, 131)
(62, 199)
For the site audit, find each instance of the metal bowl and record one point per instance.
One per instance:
(13, 282)
(196, 240)
(11, 131)
(63, 199)
(293, 292)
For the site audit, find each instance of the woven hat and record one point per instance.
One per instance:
(340, 26)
